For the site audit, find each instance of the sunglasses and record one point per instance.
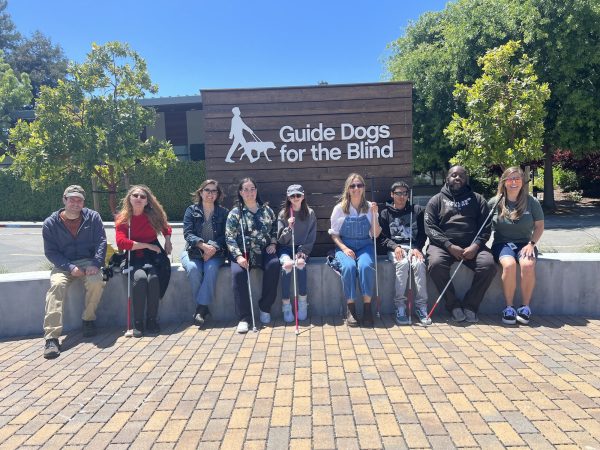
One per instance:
(210, 191)
(142, 196)
(356, 186)
(401, 193)
(295, 196)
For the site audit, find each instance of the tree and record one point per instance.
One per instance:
(504, 123)
(44, 62)
(9, 36)
(91, 123)
(15, 92)
(562, 38)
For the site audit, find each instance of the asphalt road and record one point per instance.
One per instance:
(22, 249)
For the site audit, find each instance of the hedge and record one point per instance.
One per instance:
(172, 188)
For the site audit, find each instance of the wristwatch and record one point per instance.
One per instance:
(532, 243)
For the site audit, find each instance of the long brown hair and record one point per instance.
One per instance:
(153, 209)
(522, 197)
(363, 207)
(197, 195)
(287, 205)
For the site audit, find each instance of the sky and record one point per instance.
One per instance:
(191, 45)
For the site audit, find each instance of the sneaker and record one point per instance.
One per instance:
(401, 318)
(302, 309)
(421, 313)
(138, 329)
(367, 315)
(200, 315)
(509, 315)
(152, 326)
(242, 327)
(351, 315)
(288, 315)
(458, 315)
(89, 328)
(523, 314)
(51, 349)
(265, 317)
(471, 316)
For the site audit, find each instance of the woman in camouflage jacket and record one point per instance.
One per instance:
(259, 224)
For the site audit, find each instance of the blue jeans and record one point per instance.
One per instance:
(203, 276)
(286, 277)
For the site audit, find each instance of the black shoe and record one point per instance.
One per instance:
(351, 315)
(89, 328)
(138, 329)
(367, 315)
(201, 314)
(51, 349)
(152, 326)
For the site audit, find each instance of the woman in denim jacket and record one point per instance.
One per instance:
(205, 249)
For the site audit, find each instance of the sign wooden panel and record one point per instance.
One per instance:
(314, 136)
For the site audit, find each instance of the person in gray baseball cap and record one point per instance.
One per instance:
(75, 243)
(297, 216)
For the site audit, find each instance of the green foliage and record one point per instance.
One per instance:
(566, 179)
(172, 187)
(504, 123)
(91, 123)
(9, 36)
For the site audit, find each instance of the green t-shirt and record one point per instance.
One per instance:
(516, 231)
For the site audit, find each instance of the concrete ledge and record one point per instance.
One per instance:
(566, 284)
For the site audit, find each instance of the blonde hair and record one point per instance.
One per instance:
(153, 209)
(522, 197)
(363, 207)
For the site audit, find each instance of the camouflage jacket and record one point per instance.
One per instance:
(260, 230)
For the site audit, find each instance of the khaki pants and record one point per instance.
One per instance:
(60, 281)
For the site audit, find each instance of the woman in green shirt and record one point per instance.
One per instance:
(518, 224)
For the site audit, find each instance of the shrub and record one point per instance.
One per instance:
(566, 179)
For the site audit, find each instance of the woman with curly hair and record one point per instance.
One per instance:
(518, 224)
(137, 226)
(353, 222)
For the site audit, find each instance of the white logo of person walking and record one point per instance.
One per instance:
(239, 141)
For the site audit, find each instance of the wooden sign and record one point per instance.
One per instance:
(314, 136)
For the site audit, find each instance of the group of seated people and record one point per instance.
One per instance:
(456, 221)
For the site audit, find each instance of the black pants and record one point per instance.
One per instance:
(271, 267)
(439, 263)
(145, 293)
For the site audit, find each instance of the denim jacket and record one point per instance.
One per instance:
(192, 227)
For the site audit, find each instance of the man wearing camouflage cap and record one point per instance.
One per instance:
(75, 242)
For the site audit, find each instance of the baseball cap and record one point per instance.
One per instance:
(74, 191)
(295, 189)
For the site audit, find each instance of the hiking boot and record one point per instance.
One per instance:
(200, 316)
(421, 313)
(401, 318)
(458, 315)
(152, 326)
(367, 315)
(471, 316)
(51, 349)
(302, 309)
(242, 327)
(523, 314)
(89, 328)
(265, 317)
(138, 329)
(288, 315)
(351, 315)
(509, 316)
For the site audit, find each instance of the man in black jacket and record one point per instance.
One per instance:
(395, 238)
(452, 219)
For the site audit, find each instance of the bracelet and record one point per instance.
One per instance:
(532, 243)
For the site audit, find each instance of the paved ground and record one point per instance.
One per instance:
(331, 387)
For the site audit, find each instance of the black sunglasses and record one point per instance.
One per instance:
(401, 194)
(356, 186)
(295, 196)
(142, 196)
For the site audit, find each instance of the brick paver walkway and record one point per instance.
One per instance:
(444, 386)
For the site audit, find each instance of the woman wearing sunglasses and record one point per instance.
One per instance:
(137, 226)
(518, 224)
(353, 222)
(205, 249)
(297, 218)
(252, 224)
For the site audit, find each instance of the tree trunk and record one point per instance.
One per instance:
(548, 178)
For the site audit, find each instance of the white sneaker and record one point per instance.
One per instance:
(265, 317)
(302, 309)
(242, 327)
(288, 315)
